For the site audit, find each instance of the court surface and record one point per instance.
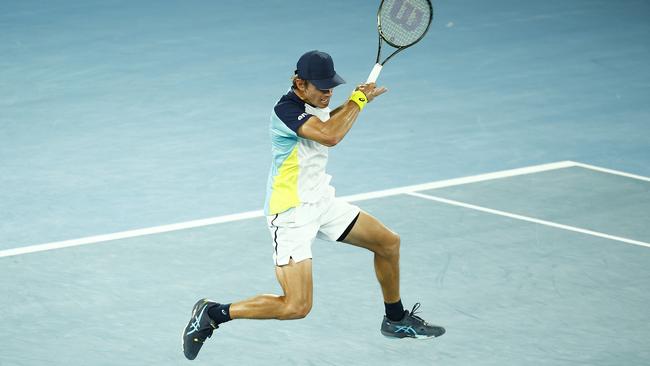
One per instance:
(523, 266)
(511, 153)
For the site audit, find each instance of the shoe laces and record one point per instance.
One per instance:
(414, 311)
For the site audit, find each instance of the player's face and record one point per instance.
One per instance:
(317, 97)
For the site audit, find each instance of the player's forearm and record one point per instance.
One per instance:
(341, 121)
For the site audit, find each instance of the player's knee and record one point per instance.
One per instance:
(302, 310)
(391, 246)
(297, 310)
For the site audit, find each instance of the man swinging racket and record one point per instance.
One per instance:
(301, 205)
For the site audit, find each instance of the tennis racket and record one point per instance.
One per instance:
(401, 24)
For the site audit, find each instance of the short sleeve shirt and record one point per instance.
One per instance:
(297, 173)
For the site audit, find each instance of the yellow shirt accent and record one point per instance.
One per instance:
(285, 185)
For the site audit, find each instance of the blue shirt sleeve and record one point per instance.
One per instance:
(292, 114)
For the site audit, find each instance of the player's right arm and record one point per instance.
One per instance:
(332, 132)
(340, 122)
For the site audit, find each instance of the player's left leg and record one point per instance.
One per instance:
(368, 232)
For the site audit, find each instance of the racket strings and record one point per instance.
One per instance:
(403, 22)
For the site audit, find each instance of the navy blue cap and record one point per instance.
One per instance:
(318, 68)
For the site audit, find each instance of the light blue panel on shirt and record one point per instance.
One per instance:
(283, 140)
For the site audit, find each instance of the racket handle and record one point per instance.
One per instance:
(374, 74)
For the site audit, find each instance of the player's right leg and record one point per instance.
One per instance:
(295, 303)
(292, 256)
(296, 281)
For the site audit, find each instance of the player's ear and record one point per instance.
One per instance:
(294, 82)
(302, 84)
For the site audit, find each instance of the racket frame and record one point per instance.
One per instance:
(379, 65)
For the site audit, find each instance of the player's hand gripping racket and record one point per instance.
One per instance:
(401, 24)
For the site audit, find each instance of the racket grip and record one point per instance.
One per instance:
(374, 74)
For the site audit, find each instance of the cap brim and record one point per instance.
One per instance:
(328, 83)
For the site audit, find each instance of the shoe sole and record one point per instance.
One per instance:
(420, 337)
(404, 335)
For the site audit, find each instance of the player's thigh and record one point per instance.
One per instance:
(372, 234)
(296, 281)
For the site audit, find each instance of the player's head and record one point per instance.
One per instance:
(315, 78)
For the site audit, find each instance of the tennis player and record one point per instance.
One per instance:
(301, 205)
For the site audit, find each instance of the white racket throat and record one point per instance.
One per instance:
(374, 74)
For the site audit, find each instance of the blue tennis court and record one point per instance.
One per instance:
(511, 154)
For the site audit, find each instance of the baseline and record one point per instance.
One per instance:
(259, 213)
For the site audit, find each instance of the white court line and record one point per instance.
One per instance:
(358, 197)
(460, 181)
(253, 214)
(611, 171)
(529, 219)
(129, 234)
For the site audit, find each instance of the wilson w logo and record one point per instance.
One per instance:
(402, 17)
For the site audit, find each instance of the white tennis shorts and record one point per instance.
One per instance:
(293, 231)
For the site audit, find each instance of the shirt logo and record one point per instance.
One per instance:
(300, 117)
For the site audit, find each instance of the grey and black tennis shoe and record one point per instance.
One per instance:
(198, 329)
(411, 326)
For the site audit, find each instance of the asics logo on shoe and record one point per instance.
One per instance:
(405, 329)
(195, 327)
(196, 324)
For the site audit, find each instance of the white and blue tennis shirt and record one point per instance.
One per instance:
(298, 168)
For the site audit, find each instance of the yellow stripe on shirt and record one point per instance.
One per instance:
(285, 185)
